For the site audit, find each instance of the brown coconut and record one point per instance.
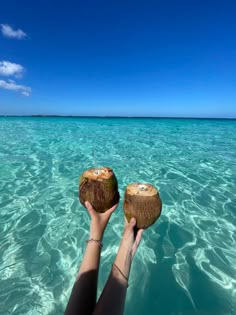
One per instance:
(142, 201)
(99, 186)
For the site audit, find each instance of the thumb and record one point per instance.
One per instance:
(89, 207)
(129, 228)
(132, 223)
(111, 210)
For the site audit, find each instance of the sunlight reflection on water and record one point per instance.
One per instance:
(186, 261)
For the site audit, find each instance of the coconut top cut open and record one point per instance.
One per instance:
(142, 201)
(98, 173)
(141, 189)
(99, 186)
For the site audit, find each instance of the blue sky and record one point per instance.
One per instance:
(125, 58)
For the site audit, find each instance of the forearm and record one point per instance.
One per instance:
(92, 253)
(124, 259)
(112, 300)
(84, 292)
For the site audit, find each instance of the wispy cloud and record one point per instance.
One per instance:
(8, 68)
(9, 32)
(13, 86)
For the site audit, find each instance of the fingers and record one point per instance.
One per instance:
(130, 226)
(89, 208)
(139, 236)
(92, 211)
(137, 241)
(132, 223)
(112, 209)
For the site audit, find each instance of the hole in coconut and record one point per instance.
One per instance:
(97, 172)
(142, 187)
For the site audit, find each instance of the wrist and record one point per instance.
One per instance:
(124, 257)
(95, 233)
(126, 246)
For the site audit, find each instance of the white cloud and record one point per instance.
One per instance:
(8, 68)
(9, 32)
(13, 86)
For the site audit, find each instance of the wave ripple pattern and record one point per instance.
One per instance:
(186, 263)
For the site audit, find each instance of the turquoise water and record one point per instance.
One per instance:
(186, 263)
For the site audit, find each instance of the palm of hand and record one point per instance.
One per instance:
(99, 220)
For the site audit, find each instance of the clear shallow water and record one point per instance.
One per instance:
(186, 263)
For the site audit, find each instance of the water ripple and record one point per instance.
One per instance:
(186, 263)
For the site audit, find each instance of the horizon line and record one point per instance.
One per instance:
(107, 116)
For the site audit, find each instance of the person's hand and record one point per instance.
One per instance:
(131, 237)
(98, 221)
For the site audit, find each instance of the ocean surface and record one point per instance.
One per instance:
(186, 262)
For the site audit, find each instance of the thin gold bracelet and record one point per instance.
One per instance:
(99, 242)
(121, 274)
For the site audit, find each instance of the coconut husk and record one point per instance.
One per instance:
(143, 202)
(99, 186)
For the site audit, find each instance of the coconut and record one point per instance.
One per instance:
(142, 201)
(99, 186)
